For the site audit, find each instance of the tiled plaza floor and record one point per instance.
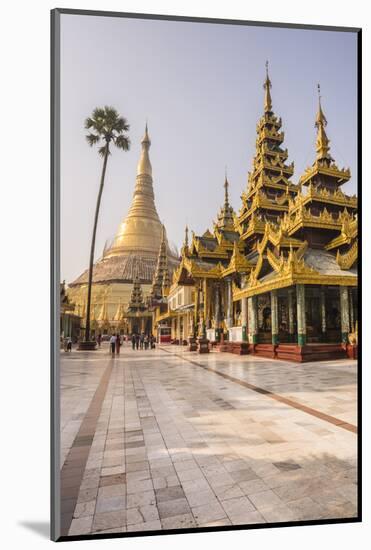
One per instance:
(170, 439)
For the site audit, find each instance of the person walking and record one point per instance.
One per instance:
(69, 344)
(141, 340)
(112, 343)
(118, 344)
(137, 338)
(133, 341)
(152, 339)
(99, 339)
(146, 341)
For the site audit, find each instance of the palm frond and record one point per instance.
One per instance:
(98, 113)
(102, 150)
(122, 142)
(92, 139)
(121, 125)
(89, 122)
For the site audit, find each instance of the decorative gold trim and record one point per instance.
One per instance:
(346, 260)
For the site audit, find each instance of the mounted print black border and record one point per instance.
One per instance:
(55, 270)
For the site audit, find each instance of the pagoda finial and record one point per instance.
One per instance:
(226, 185)
(226, 213)
(146, 138)
(144, 165)
(267, 86)
(186, 236)
(322, 142)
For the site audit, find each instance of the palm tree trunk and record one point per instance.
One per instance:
(92, 248)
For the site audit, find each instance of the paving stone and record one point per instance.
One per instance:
(107, 504)
(169, 493)
(84, 509)
(208, 512)
(140, 499)
(253, 486)
(224, 492)
(108, 520)
(237, 507)
(173, 507)
(265, 499)
(182, 521)
(139, 486)
(81, 526)
(145, 526)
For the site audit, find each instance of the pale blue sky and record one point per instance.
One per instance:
(200, 87)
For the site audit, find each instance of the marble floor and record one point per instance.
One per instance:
(169, 439)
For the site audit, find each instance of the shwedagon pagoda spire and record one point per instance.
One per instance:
(141, 228)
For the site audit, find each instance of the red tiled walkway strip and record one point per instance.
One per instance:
(74, 466)
(290, 402)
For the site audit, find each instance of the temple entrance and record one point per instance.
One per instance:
(333, 317)
(287, 324)
(313, 315)
(264, 319)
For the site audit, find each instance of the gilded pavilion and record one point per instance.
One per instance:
(279, 277)
(130, 260)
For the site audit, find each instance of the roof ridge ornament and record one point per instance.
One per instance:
(267, 86)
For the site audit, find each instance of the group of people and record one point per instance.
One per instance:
(138, 341)
(142, 341)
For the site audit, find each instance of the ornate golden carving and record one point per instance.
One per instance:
(346, 260)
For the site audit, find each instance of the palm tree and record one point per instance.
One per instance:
(105, 126)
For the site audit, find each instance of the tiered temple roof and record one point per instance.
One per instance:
(269, 188)
(209, 254)
(284, 233)
(161, 278)
(136, 303)
(315, 242)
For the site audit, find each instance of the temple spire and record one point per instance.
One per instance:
(140, 230)
(226, 213)
(226, 185)
(322, 141)
(185, 248)
(267, 87)
(136, 300)
(162, 277)
(144, 164)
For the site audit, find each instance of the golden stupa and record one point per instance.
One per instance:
(133, 252)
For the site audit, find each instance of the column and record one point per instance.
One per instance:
(244, 311)
(300, 305)
(290, 308)
(274, 316)
(351, 311)
(206, 304)
(323, 312)
(179, 326)
(344, 312)
(217, 310)
(196, 310)
(252, 319)
(229, 303)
